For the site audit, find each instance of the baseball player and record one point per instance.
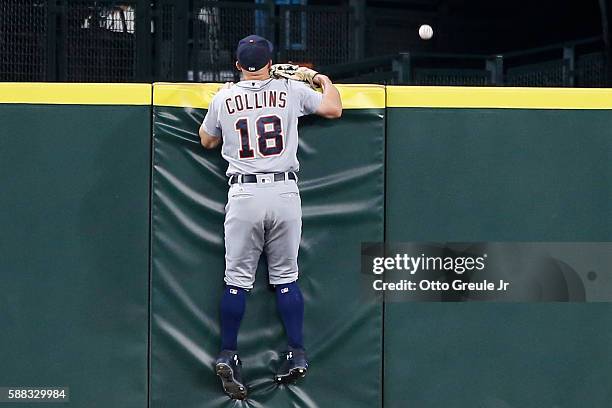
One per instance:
(256, 119)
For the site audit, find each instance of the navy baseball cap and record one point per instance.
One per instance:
(254, 52)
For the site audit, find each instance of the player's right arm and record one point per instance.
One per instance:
(331, 104)
(210, 130)
(207, 140)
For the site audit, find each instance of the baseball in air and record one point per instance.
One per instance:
(425, 32)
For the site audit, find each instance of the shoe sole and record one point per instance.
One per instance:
(294, 374)
(231, 387)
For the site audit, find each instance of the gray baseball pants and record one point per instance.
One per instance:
(262, 217)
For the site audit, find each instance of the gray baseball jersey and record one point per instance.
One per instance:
(258, 121)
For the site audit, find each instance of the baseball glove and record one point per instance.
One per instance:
(294, 72)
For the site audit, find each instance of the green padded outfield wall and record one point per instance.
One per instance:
(74, 240)
(462, 164)
(472, 164)
(342, 189)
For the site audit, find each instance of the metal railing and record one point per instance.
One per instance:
(577, 63)
(194, 40)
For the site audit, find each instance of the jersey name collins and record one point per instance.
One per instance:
(257, 100)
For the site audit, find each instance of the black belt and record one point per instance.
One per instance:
(252, 178)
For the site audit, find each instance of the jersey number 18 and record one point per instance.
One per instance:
(269, 136)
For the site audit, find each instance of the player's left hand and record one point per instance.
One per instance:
(294, 72)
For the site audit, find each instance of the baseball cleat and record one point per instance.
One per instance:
(227, 367)
(293, 367)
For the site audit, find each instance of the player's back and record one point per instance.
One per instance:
(258, 122)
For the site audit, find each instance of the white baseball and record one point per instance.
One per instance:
(425, 32)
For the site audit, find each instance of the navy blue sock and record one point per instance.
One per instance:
(233, 304)
(291, 308)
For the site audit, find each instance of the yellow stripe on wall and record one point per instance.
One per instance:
(353, 96)
(75, 94)
(494, 97)
(184, 95)
(366, 96)
(200, 95)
